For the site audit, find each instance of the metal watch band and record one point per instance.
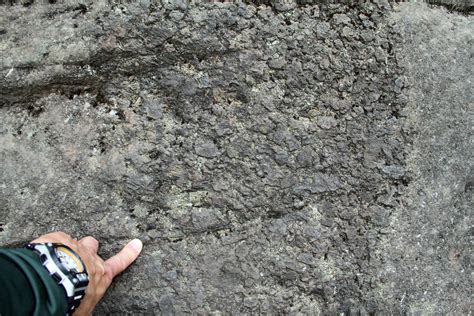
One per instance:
(73, 283)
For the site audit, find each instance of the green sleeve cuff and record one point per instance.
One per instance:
(27, 288)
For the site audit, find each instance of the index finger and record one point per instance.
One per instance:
(118, 263)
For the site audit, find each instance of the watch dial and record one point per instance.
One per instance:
(69, 260)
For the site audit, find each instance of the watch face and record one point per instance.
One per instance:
(69, 259)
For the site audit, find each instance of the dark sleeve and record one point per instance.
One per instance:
(26, 288)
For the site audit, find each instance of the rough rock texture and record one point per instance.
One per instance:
(286, 158)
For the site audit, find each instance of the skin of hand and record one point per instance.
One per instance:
(101, 273)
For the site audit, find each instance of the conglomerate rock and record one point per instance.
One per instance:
(273, 158)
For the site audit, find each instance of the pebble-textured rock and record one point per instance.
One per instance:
(285, 158)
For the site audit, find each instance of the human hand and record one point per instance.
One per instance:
(101, 273)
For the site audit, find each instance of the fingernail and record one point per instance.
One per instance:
(136, 244)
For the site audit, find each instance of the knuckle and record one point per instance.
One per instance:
(100, 269)
(91, 239)
(65, 238)
(92, 269)
(63, 235)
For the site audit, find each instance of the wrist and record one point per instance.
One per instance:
(66, 268)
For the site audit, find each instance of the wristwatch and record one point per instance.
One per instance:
(66, 268)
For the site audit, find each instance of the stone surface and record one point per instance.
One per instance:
(285, 157)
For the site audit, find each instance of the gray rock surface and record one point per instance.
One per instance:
(286, 158)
